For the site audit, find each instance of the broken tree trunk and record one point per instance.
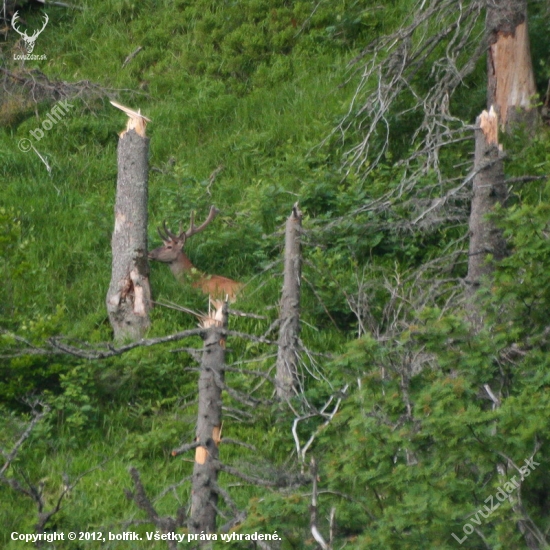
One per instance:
(129, 295)
(489, 189)
(204, 495)
(511, 82)
(289, 317)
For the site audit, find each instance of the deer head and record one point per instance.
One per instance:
(29, 40)
(171, 253)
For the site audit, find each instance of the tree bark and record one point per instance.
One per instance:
(289, 332)
(204, 495)
(129, 295)
(511, 81)
(489, 189)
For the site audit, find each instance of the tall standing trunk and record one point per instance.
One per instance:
(510, 90)
(511, 82)
(489, 189)
(129, 295)
(204, 495)
(289, 332)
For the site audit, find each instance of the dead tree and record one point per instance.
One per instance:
(436, 34)
(489, 189)
(129, 295)
(510, 78)
(289, 317)
(438, 38)
(204, 509)
(511, 88)
(204, 495)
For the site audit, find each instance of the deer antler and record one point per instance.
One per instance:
(166, 234)
(194, 230)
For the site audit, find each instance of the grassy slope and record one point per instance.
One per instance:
(260, 134)
(235, 84)
(260, 119)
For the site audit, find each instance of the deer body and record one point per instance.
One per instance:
(171, 253)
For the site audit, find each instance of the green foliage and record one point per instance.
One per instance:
(241, 96)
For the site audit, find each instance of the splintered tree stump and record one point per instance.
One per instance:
(289, 317)
(204, 494)
(511, 83)
(129, 295)
(489, 189)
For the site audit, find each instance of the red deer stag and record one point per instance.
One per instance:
(172, 253)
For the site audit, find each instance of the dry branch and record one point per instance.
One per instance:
(107, 350)
(59, 345)
(165, 524)
(184, 448)
(131, 56)
(313, 518)
(389, 72)
(31, 86)
(301, 451)
(9, 457)
(20, 482)
(279, 479)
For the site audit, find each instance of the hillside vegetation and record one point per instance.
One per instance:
(245, 100)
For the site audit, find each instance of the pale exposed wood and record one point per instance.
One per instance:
(215, 314)
(488, 124)
(200, 455)
(136, 121)
(217, 434)
(511, 82)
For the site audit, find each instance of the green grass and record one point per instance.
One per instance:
(253, 87)
(258, 103)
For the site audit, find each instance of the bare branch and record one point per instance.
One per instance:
(184, 448)
(108, 350)
(165, 524)
(131, 56)
(301, 451)
(313, 509)
(9, 457)
(282, 479)
(442, 37)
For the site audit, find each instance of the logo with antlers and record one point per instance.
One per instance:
(29, 40)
